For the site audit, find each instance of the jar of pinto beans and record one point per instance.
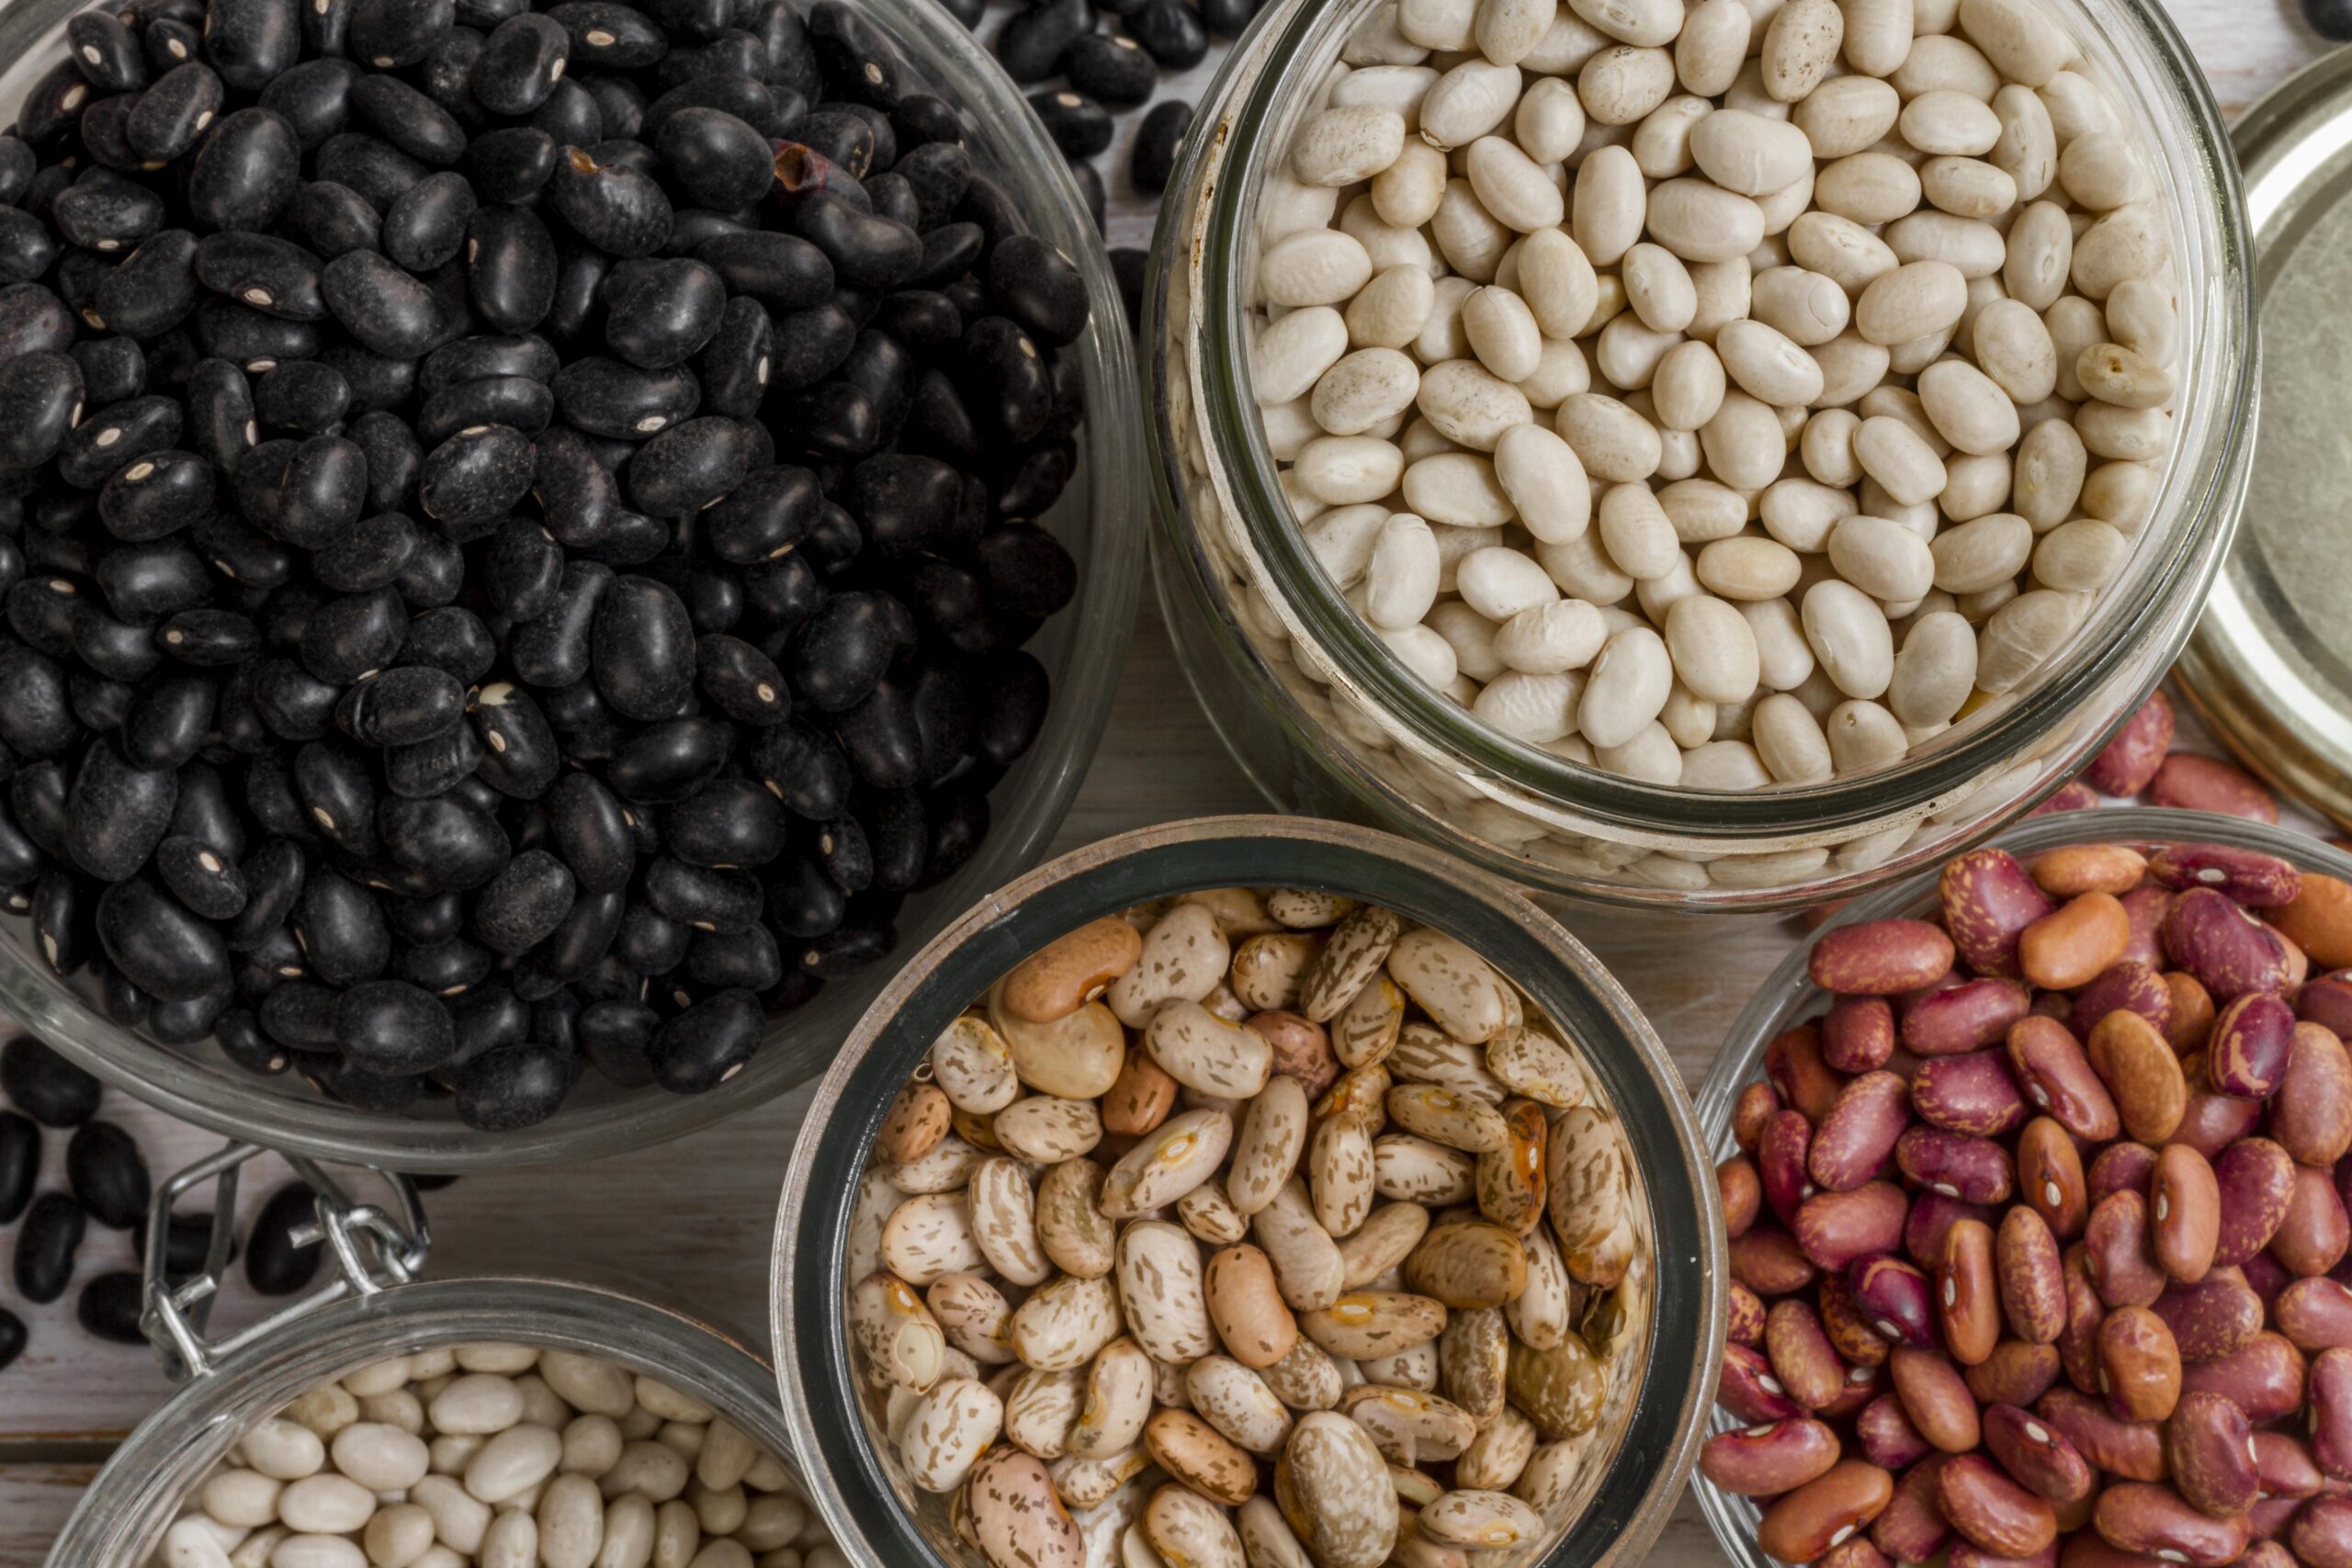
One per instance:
(2035, 1172)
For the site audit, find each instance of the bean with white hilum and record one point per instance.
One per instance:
(1718, 402)
(1332, 1213)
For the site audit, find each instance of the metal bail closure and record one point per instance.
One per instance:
(374, 1247)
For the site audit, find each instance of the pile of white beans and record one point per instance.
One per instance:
(500, 1454)
(1722, 398)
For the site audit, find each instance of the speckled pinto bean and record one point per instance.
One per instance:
(2143, 1074)
(1855, 1337)
(2128, 986)
(1880, 958)
(2119, 1253)
(1824, 1512)
(1991, 1510)
(1835, 1228)
(1783, 1156)
(2050, 1178)
(2139, 1364)
(2321, 1535)
(2330, 1392)
(2313, 1237)
(2215, 1317)
(1911, 1529)
(1895, 1299)
(2037, 1455)
(2228, 952)
(2253, 1180)
(1861, 1130)
(2058, 1078)
(2266, 1379)
(1749, 1390)
(2283, 1466)
(1793, 1061)
(1936, 1398)
(1752, 1113)
(2315, 1314)
(2033, 1275)
(1988, 900)
(2137, 1517)
(1768, 1261)
(2326, 1000)
(1858, 1035)
(1741, 1194)
(1968, 1293)
(2017, 1372)
(2250, 1045)
(2311, 1114)
(1967, 1017)
(2247, 877)
(2128, 1449)
(1976, 1094)
(2209, 1444)
(1976, 1170)
(1744, 1322)
(1767, 1460)
(1887, 1437)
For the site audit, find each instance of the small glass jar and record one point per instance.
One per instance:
(244, 1379)
(1325, 719)
(1789, 998)
(1630, 1484)
(1082, 649)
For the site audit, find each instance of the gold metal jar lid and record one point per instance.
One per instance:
(2270, 665)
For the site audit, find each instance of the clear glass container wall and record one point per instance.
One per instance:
(1326, 720)
(1789, 998)
(140, 1491)
(1630, 1488)
(1082, 649)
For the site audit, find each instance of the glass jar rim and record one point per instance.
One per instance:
(1097, 629)
(1283, 58)
(819, 1388)
(145, 1478)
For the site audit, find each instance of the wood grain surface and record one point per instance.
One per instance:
(690, 1224)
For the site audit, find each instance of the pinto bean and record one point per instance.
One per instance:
(2138, 1517)
(1936, 1398)
(1912, 1527)
(1895, 1298)
(2141, 1073)
(1976, 1170)
(2133, 1450)
(1741, 1192)
(1968, 1296)
(2037, 1455)
(1888, 1439)
(2050, 1177)
(2139, 1364)
(2313, 1237)
(2209, 1444)
(1987, 900)
(2253, 1180)
(1835, 1228)
(1768, 1262)
(1859, 1132)
(1767, 1460)
(2031, 1275)
(1993, 1511)
(1880, 958)
(2122, 1259)
(1824, 1512)
(2264, 1378)
(1967, 1017)
(2058, 1078)
(2213, 1318)
(2310, 1112)
(1782, 1154)
(1755, 1108)
(1976, 1093)
(1749, 1390)
(2018, 1372)
(2071, 945)
(1793, 1061)
(1858, 1035)
(2185, 1202)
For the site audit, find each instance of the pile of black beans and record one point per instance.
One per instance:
(108, 1186)
(516, 527)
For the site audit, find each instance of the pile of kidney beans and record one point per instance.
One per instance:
(2142, 762)
(2039, 1231)
(515, 526)
(107, 1184)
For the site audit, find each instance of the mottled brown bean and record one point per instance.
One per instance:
(2139, 1364)
(1824, 1512)
(2037, 1455)
(1969, 1295)
(1993, 1511)
(1853, 1141)
(2057, 1078)
(2137, 1517)
(2210, 1445)
(2050, 1177)
(1936, 1398)
(1767, 1460)
(2185, 1201)
(2033, 1275)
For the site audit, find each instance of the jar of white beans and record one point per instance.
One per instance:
(1721, 456)
(498, 1422)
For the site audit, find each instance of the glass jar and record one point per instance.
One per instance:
(368, 1315)
(1628, 1489)
(1082, 649)
(1326, 720)
(1789, 998)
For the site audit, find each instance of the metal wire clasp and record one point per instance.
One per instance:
(374, 1247)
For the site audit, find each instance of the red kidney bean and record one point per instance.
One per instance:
(2212, 1121)
(1824, 1512)
(2192, 1011)
(1894, 1297)
(1781, 1157)
(1854, 1140)
(2145, 907)
(1856, 1552)
(1835, 1228)
(1850, 1333)
(2057, 1078)
(2033, 1275)
(1932, 1214)
(2128, 986)
(1936, 1398)
(2050, 1177)
(2067, 948)
(2213, 1318)
(1912, 1528)
(2139, 1364)
(2185, 1203)
(1802, 1356)
(2269, 1519)
(2018, 1372)
(1755, 1107)
(2126, 765)
(2330, 1392)
(2311, 1239)
(2072, 795)
(1762, 1460)
(2078, 1341)
(1969, 1292)
(1862, 1386)
(1888, 1439)
(1976, 1094)
(2210, 1445)
(1967, 1017)
(1768, 1262)
(2310, 1113)
(2120, 1168)
(2265, 1379)
(2141, 1072)
(1988, 899)
(2132, 1450)
(1975, 1170)
(2037, 1455)
(2246, 1053)
(2326, 1000)
(2117, 1250)
(2315, 1314)
(1858, 1035)
(1987, 1507)
(2284, 1467)
(1743, 1319)
(2138, 1517)
(2228, 951)
(2265, 1276)
(1880, 958)
(2255, 1179)
(2322, 1533)
(1793, 1062)
(2246, 876)
(2208, 784)
(1750, 1391)
(1741, 1192)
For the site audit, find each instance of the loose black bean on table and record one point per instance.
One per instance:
(515, 531)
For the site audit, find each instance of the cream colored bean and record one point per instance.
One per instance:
(1750, 153)
(1934, 671)
(1661, 143)
(1391, 309)
(2051, 468)
(1545, 481)
(1658, 288)
(1939, 62)
(1614, 444)
(1688, 387)
(1636, 531)
(1712, 648)
(1549, 123)
(1748, 568)
(1808, 307)
(1851, 256)
(2040, 256)
(1702, 223)
(1883, 559)
(1968, 407)
(1513, 187)
(1342, 146)
(2122, 377)
(1340, 470)
(2021, 635)
(1948, 123)
(1606, 215)
(1910, 302)
(1713, 46)
(1623, 82)
(1467, 102)
(1967, 188)
(1801, 46)
(2141, 316)
(1448, 24)
(1628, 686)
(1627, 351)
(1828, 448)
(2014, 348)
(1458, 490)
(1976, 249)
(1535, 708)
(1868, 187)
(1499, 582)
(1850, 636)
(1556, 279)
(2027, 150)
(1846, 115)
(2120, 493)
(1551, 639)
(2132, 435)
(1863, 735)
(1291, 353)
(2018, 37)
(1407, 192)
(1746, 444)
(2080, 556)
(1503, 334)
(1363, 389)
(1980, 555)
(1900, 459)
(2075, 324)
(1398, 87)
(2129, 243)
(1789, 741)
(282, 1449)
(380, 1458)
(1768, 366)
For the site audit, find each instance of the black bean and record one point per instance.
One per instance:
(1033, 43)
(170, 115)
(476, 475)
(613, 206)
(100, 212)
(308, 395)
(40, 400)
(246, 171)
(274, 1264)
(525, 902)
(512, 1086)
(107, 1174)
(386, 34)
(12, 1336)
(386, 310)
(866, 250)
(202, 878)
(670, 760)
(45, 1086)
(158, 944)
(707, 1044)
(1080, 126)
(665, 312)
(315, 98)
(444, 839)
(109, 1307)
(520, 756)
(341, 929)
(1039, 288)
(1172, 31)
(520, 64)
(425, 225)
(403, 706)
(1113, 71)
(510, 164)
(46, 1244)
(392, 1027)
(19, 1164)
(690, 466)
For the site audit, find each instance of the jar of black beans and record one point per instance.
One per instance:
(518, 528)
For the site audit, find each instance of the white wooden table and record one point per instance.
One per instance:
(690, 1223)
